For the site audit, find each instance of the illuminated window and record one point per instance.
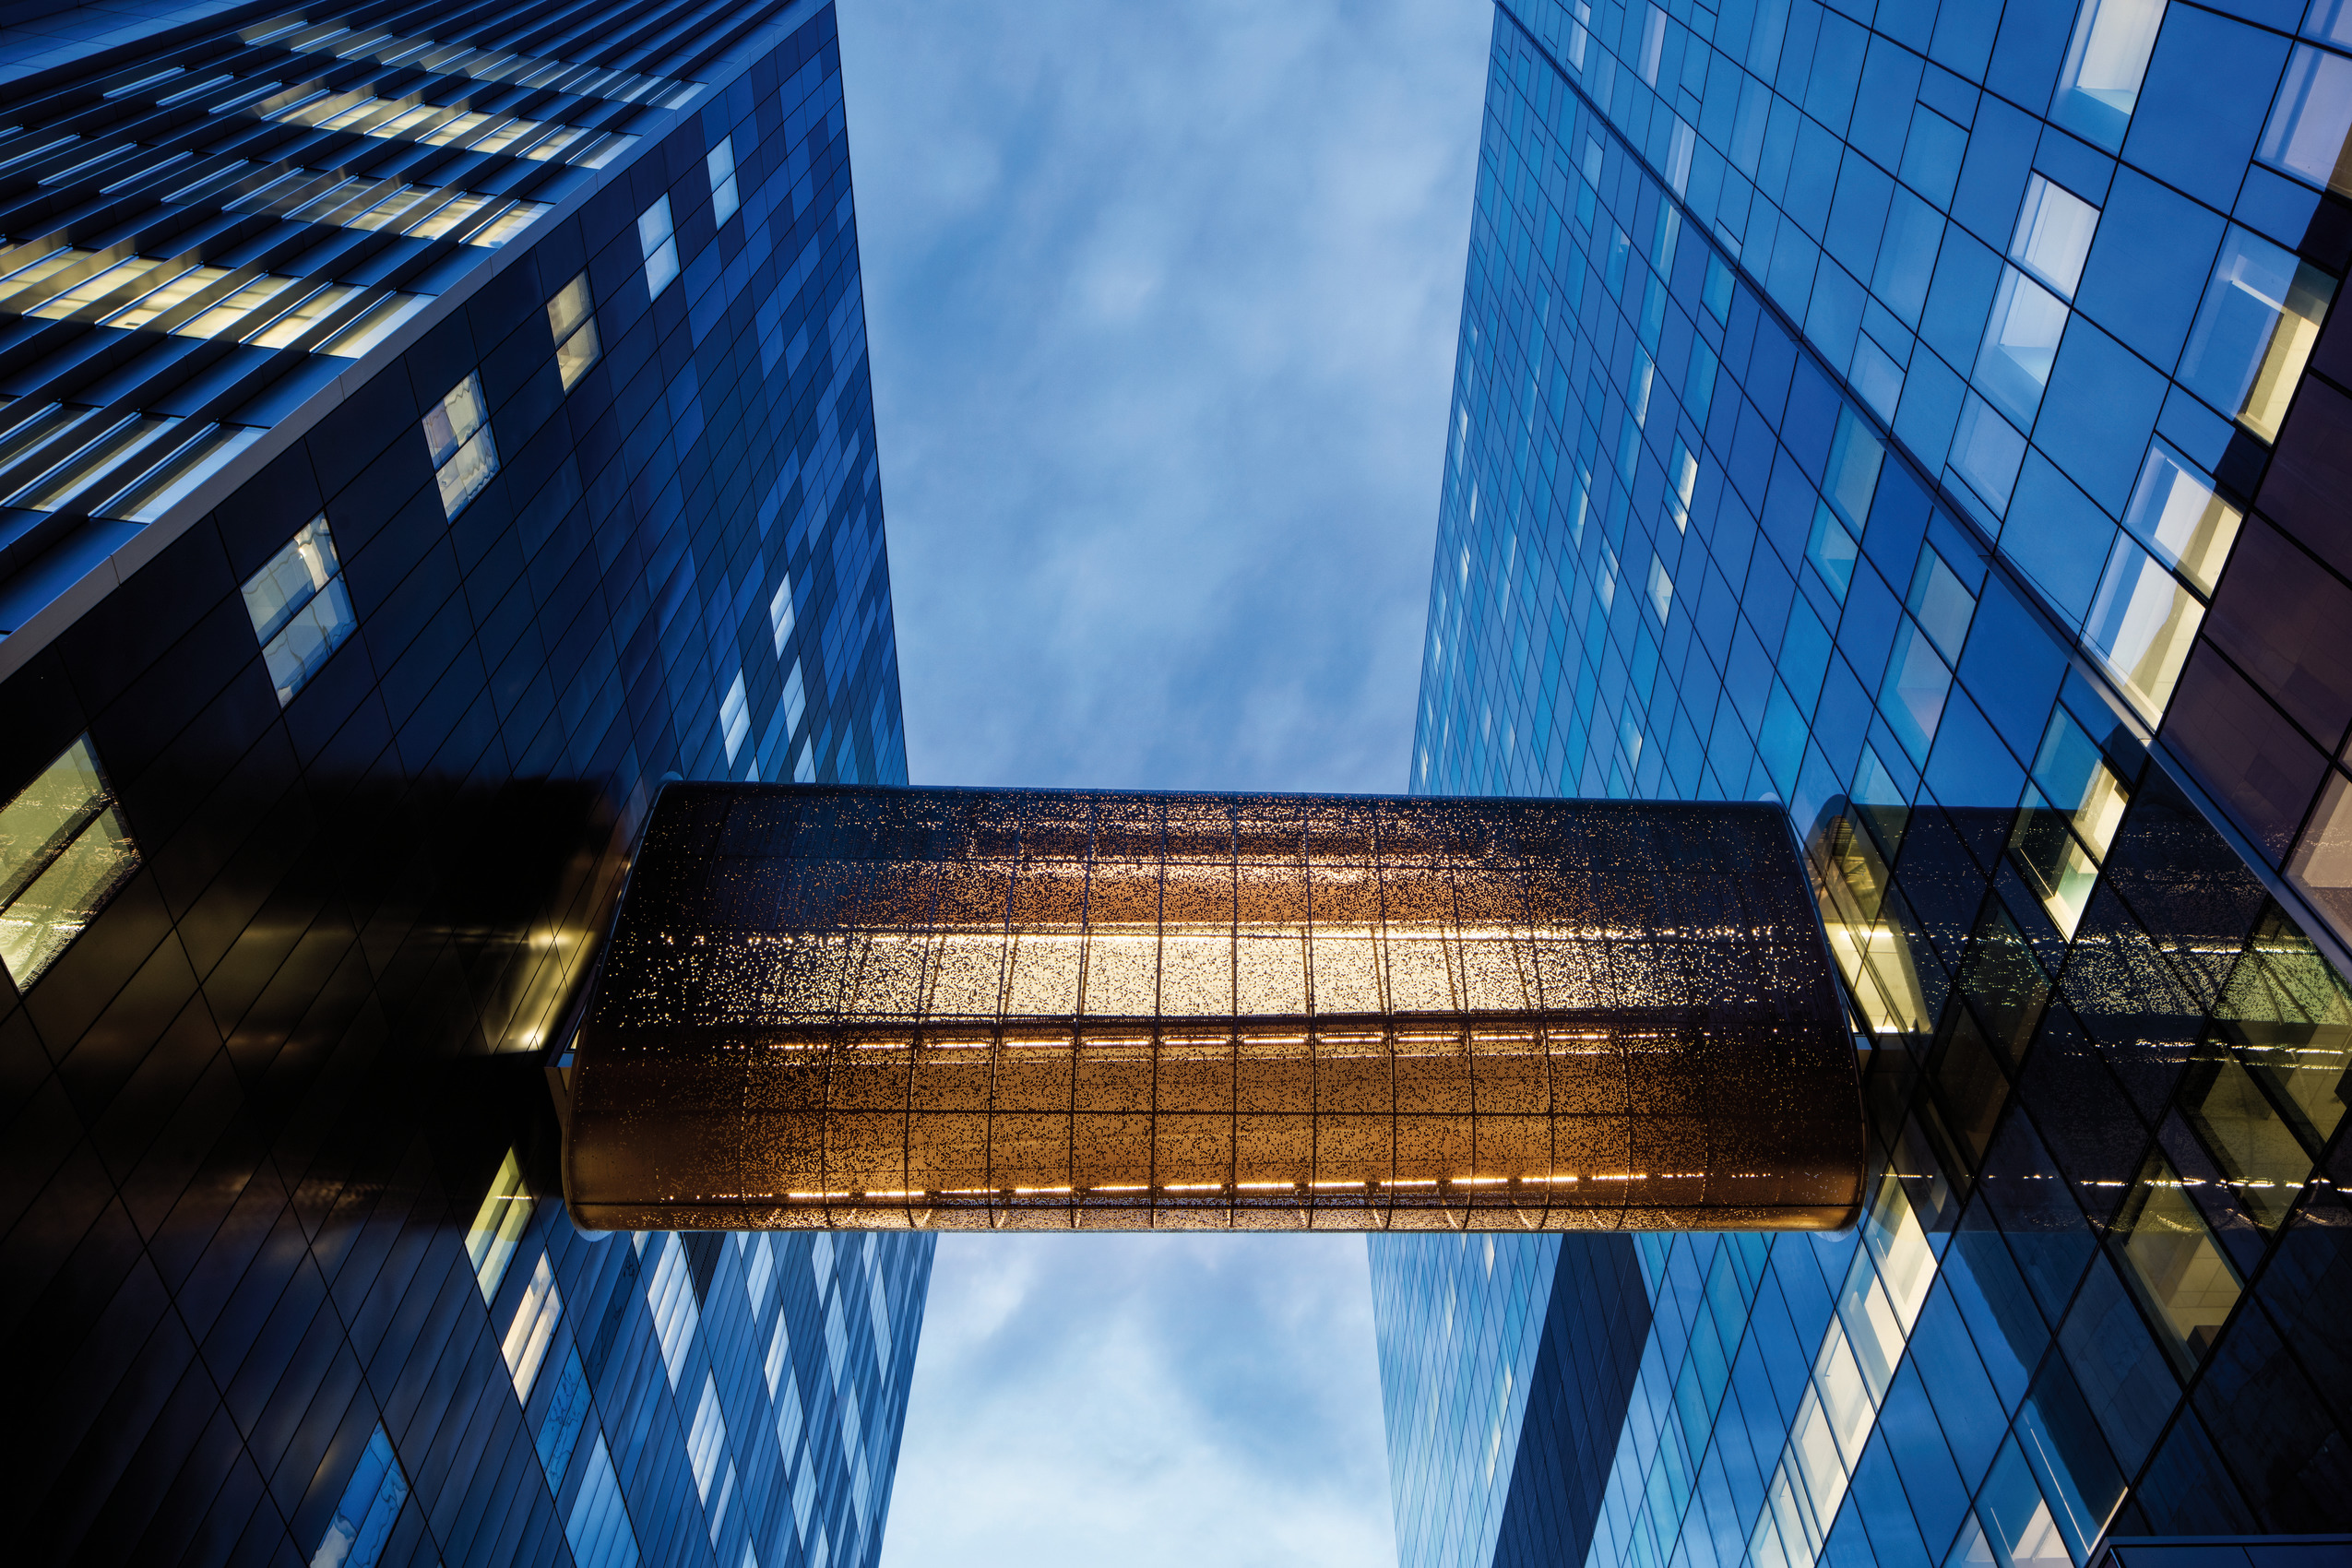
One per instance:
(2053, 237)
(370, 1507)
(498, 1226)
(464, 456)
(721, 164)
(2142, 625)
(2260, 318)
(571, 317)
(299, 609)
(2067, 820)
(671, 1295)
(533, 1328)
(2323, 864)
(2177, 1268)
(2176, 514)
(2310, 133)
(2106, 61)
(64, 850)
(660, 243)
(2021, 344)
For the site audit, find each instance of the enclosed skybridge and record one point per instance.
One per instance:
(1028, 1009)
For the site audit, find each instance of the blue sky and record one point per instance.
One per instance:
(1161, 302)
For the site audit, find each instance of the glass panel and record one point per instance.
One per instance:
(498, 1226)
(1854, 458)
(2106, 59)
(290, 579)
(2176, 515)
(2290, 1019)
(1916, 685)
(312, 634)
(2143, 624)
(2179, 1271)
(176, 293)
(37, 923)
(2053, 236)
(24, 282)
(117, 446)
(1942, 603)
(2260, 1157)
(448, 215)
(463, 475)
(655, 237)
(2321, 865)
(2073, 771)
(2020, 343)
(570, 306)
(90, 290)
(391, 208)
(2020, 1521)
(282, 332)
(226, 316)
(2260, 319)
(506, 225)
(1832, 551)
(179, 474)
(2310, 127)
(36, 827)
(371, 1505)
(454, 419)
(2060, 869)
(47, 426)
(721, 166)
(533, 1328)
(605, 149)
(374, 324)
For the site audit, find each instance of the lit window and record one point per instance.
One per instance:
(2261, 315)
(2067, 820)
(721, 164)
(298, 610)
(2176, 514)
(734, 718)
(571, 317)
(671, 1295)
(2104, 63)
(533, 1328)
(64, 850)
(2310, 133)
(2143, 624)
(370, 1507)
(2021, 344)
(498, 1226)
(2178, 1270)
(660, 243)
(780, 613)
(2054, 235)
(464, 456)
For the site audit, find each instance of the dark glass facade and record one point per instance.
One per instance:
(1928, 416)
(427, 430)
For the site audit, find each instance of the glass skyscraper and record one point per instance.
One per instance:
(1929, 416)
(423, 431)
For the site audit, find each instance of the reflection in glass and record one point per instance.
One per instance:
(658, 241)
(2054, 230)
(2290, 1017)
(299, 609)
(2260, 1157)
(2261, 317)
(2310, 126)
(64, 849)
(1940, 602)
(356, 1536)
(1986, 449)
(2176, 515)
(1832, 551)
(2143, 624)
(2067, 820)
(2021, 344)
(721, 164)
(498, 1226)
(2180, 1271)
(1916, 685)
(533, 1328)
(464, 456)
(570, 318)
(2106, 61)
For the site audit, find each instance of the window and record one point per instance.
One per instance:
(2066, 821)
(464, 456)
(1832, 551)
(1987, 449)
(2310, 134)
(1683, 478)
(2261, 317)
(1940, 602)
(298, 610)
(533, 1328)
(2321, 866)
(2021, 344)
(371, 1506)
(2054, 235)
(735, 719)
(2176, 514)
(64, 850)
(671, 1295)
(1917, 683)
(498, 1226)
(567, 1410)
(2141, 626)
(659, 241)
(599, 1529)
(571, 317)
(759, 1273)
(721, 164)
(707, 1439)
(779, 613)
(2105, 62)
(2175, 1266)
(1661, 587)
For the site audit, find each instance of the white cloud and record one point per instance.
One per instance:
(1145, 1402)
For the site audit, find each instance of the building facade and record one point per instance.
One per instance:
(1929, 416)
(426, 430)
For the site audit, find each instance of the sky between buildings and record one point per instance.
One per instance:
(1161, 302)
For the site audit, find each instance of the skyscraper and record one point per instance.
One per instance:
(426, 430)
(1928, 416)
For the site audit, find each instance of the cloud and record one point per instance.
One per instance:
(1144, 1401)
(1161, 302)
